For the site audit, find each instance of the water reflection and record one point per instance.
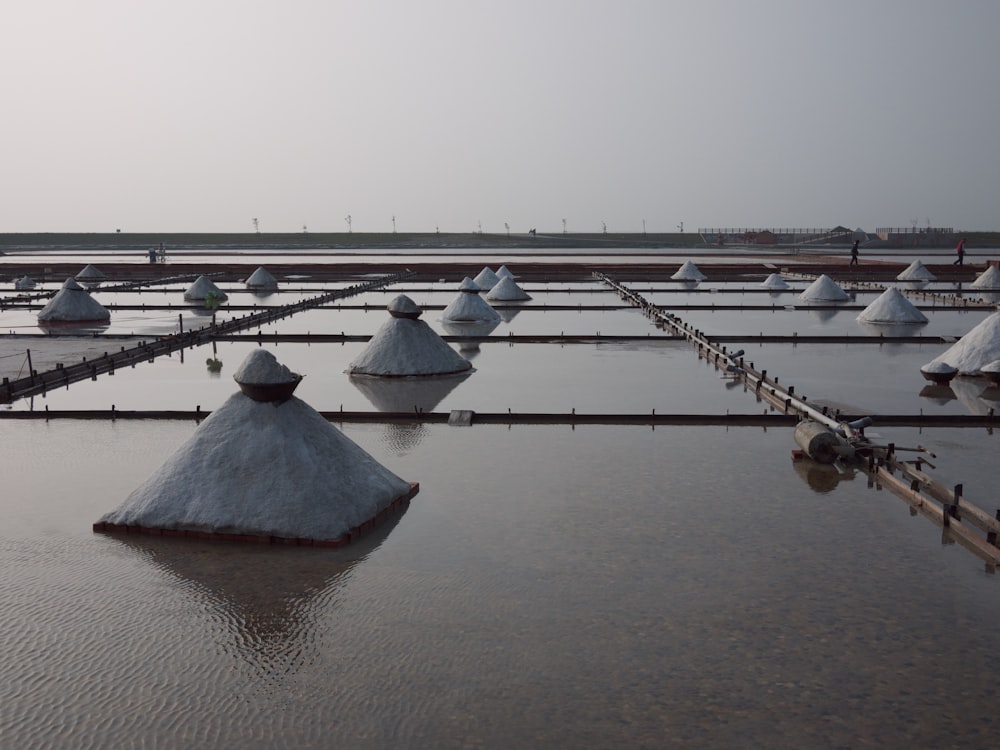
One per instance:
(939, 394)
(478, 329)
(258, 600)
(822, 478)
(969, 392)
(890, 330)
(823, 314)
(407, 394)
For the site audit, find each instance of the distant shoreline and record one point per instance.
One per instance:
(363, 241)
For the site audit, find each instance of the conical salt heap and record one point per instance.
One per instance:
(689, 272)
(824, 289)
(469, 307)
(406, 346)
(989, 279)
(503, 271)
(774, 281)
(23, 283)
(507, 290)
(201, 288)
(974, 350)
(268, 470)
(891, 307)
(90, 273)
(916, 271)
(73, 304)
(261, 279)
(486, 279)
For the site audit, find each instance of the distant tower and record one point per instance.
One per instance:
(256, 225)
(564, 226)
(507, 227)
(348, 220)
(680, 227)
(393, 224)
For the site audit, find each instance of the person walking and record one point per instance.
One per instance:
(854, 253)
(960, 260)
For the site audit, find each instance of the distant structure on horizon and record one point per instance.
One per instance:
(894, 237)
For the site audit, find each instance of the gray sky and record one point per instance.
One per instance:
(198, 115)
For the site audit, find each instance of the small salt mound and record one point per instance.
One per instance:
(262, 368)
(989, 279)
(976, 349)
(892, 307)
(824, 289)
(774, 281)
(689, 272)
(90, 273)
(469, 307)
(202, 287)
(405, 346)
(23, 283)
(916, 271)
(486, 279)
(507, 290)
(73, 304)
(503, 271)
(261, 279)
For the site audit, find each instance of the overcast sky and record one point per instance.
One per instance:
(199, 115)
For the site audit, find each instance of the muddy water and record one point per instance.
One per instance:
(548, 587)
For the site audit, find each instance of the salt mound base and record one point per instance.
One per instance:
(73, 304)
(507, 290)
(916, 271)
(256, 470)
(689, 272)
(774, 281)
(989, 279)
(405, 347)
(486, 279)
(824, 289)
(469, 307)
(261, 279)
(976, 349)
(890, 308)
(202, 287)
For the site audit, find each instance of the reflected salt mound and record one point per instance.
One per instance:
(259, 601)
(939, 393)
(407, 395)
(890, 330)
(478, 330)
(969, 392)
(507, 314)
(823, 314)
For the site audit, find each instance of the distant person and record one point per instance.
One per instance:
(960, 260)
(152, 255)
(854, 253)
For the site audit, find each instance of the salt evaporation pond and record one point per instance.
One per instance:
(676, 605)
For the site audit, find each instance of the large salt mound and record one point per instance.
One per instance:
(916, 271)
(263, 469)
(976, 349)
(774, 281)
(469, 307)
(486, 279)
(989, 279)
(891, 307)
(689, 272)
(824, 289)
(261, 279)
(73, 304)
(507, 290)
(406, 346)
(202, 287)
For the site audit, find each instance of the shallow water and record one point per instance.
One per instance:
(548, 587)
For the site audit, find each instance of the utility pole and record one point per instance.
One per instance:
(348, 220)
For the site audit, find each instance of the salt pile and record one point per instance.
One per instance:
(892, 307)
(73, 304)
(916, 271)
(824, 289)
(256, 470)
(261, 279)
(405, 347)
(989, 279)
(486, 279)
(469, 307)
(504, 272)
(23, 283)
(202, 288)
(689, 272)
(90, 273)
(976, 349)
(774, 281)
(507, 290)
